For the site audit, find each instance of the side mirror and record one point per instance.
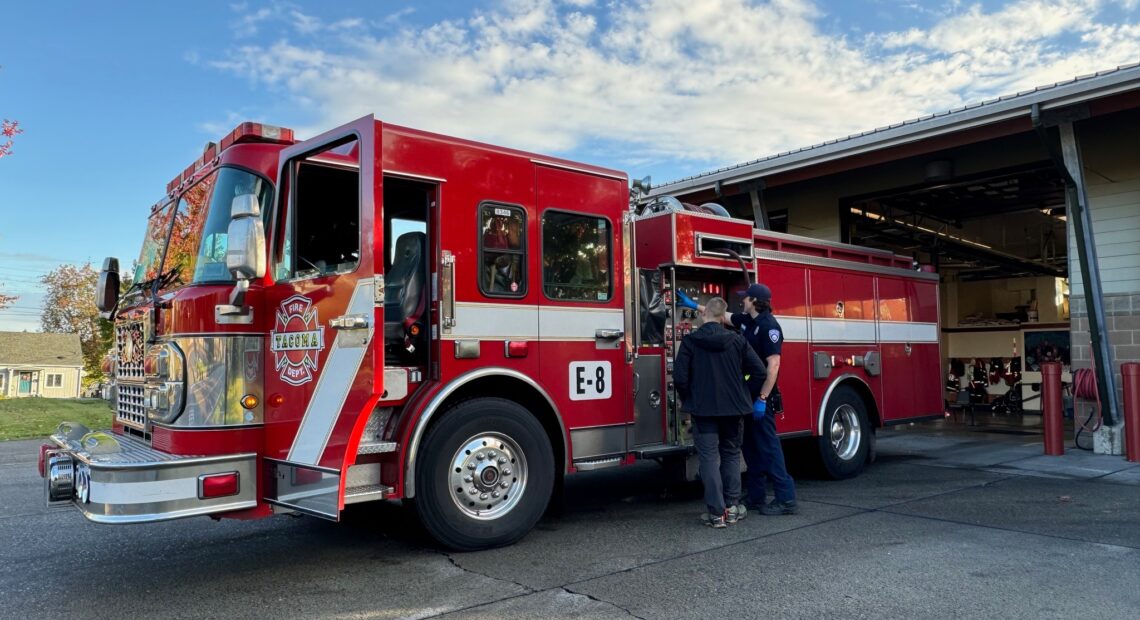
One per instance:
(107, 290)
(245, 243)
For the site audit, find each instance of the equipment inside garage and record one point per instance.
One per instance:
(998, 241)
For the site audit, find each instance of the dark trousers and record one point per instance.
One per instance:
(765, 459)
(718, 446)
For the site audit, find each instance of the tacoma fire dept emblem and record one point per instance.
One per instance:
(297, 340)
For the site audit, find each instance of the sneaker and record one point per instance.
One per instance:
(714, 521)
(735, 513)
(780, 508)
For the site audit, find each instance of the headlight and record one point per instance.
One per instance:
(165, 370)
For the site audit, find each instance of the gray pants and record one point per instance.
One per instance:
(718, 441)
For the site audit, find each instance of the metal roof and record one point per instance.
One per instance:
(1079, 89)
(39, 349)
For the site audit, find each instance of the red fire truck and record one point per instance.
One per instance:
(381, 313)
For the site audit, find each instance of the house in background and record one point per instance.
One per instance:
(32, 364)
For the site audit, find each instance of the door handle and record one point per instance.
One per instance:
(349, 321)
(608, 334)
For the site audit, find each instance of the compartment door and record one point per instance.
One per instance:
(581, 314)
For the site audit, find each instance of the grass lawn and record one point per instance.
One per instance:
(27, 418)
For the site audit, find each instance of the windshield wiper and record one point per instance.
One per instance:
(168, 278)
(156, 283)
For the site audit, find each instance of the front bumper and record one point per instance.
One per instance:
(114, 478)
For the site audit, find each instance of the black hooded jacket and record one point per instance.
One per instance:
(709, 372)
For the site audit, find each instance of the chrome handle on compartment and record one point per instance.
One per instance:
(608, 334)
(349, 321)
(447, 303)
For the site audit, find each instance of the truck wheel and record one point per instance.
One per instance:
(847, 435)
(485, 476)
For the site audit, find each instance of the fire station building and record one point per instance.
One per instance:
(1028, 206)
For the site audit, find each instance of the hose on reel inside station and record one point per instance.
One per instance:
(1084, 387)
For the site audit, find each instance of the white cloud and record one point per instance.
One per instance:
(705, 82)
(399, 15)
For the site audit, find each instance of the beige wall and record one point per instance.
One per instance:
(988, 297)
(1111, 152)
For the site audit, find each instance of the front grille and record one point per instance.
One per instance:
(130, 346)
(131, 411)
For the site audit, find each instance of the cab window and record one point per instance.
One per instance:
(576, 257)
(502, 250)
(321, 231)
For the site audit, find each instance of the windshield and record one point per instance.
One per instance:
(198, 241)
(157, 228)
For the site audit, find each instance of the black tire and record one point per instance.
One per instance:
(513, 444)
(845, 423)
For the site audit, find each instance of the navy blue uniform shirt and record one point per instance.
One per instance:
(762, 332)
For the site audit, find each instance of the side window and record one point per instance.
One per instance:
(502, 250)
(576, 261)
(55, 380)
(321, 229)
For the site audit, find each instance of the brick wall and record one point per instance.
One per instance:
(1122, 328)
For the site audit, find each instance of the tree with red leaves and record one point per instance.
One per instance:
(8, 129)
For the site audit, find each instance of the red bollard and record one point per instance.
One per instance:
(1130, 373)
(1051, 415)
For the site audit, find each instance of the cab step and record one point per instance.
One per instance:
(376, 447)
(366, 493)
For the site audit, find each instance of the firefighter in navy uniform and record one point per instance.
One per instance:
(761, 447)
(762, 450)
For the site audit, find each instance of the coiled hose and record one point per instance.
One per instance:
(1084, 387)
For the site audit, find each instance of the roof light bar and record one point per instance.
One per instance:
(243, 133)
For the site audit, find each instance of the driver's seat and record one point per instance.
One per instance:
(405, 296)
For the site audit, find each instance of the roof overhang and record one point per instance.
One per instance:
(1077, 91)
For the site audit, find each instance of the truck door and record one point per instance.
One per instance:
(321, 313)
(581, 320)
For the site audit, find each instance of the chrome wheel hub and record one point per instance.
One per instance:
(488, 476)
(846, 432)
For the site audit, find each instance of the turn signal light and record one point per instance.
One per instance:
(249, 401)
(276, 400)
(218, 485)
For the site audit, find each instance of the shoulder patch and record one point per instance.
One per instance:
(774, 335)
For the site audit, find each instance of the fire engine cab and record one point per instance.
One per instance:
(381, 313)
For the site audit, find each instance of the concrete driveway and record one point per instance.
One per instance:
(939, 527)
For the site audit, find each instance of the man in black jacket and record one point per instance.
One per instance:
(709, 376)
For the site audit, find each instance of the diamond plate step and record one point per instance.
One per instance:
(367, 493)
(376, 447)
(593, 464)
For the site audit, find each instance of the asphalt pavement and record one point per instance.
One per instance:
(941, 526)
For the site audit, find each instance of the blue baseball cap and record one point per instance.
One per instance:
(758, 292)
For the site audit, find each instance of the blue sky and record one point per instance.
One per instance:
(116, 98)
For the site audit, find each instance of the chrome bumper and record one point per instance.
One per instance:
(119, 479)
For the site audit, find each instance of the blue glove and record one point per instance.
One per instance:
(684, 301)
(759, 408)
